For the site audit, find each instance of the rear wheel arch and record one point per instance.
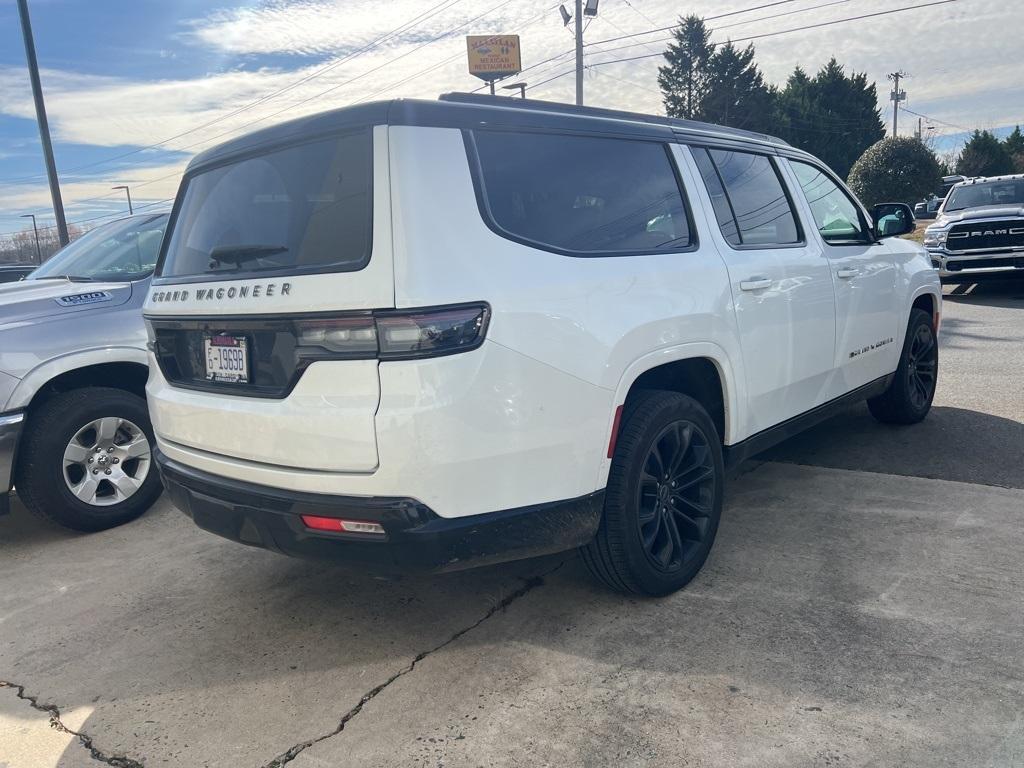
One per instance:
(696, 377)
(702, 371)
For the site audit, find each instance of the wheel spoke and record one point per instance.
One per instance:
(675, 548)
(76, 453)
(683, 434)
(106, 429)
(125, 485)
(689, 528)
(651, 535)
(706, 474)
(139, 446)
(702, 509)
(86, 490)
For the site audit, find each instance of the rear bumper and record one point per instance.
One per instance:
(10, 431)
(416, 538)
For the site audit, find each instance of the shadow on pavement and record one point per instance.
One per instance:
(951, 444)
(1004, 292)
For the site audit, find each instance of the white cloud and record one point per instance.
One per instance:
(963, 58)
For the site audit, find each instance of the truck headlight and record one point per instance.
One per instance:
(934, 239)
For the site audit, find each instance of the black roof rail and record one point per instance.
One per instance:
(514, 102)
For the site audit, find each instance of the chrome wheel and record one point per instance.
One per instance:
(676, 495)
(107, 461)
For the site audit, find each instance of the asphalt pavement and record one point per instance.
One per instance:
(862, 606)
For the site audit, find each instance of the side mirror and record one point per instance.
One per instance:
(892, 219)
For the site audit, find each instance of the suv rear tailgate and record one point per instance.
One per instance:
(321, 425)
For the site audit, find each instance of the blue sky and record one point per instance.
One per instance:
(121, 75)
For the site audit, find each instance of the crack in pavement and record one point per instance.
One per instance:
(118, 761)
(528, 585)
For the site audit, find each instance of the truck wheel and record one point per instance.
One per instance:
(909, 397)
(664, 497)
(86, 459)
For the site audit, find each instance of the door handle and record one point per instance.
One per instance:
(847, 273)
(755, 284)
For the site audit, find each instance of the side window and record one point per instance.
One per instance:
(759, 213)
(583, 194)
(723, 210)
(836, 216)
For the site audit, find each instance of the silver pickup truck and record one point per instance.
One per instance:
(979, 229)
(75, 437)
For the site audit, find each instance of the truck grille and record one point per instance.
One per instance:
(973, 236)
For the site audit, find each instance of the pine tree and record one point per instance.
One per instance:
(984, 155)
(1014, 144)
(684, 80)
(736, 92)
(832, 116)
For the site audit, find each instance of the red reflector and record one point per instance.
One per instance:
(615, 431)
(338, 525)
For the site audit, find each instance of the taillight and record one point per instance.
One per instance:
(394, 334)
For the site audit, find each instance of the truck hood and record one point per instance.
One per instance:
(32, 300)
(972, 214)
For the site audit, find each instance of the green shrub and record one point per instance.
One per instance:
(895, 170)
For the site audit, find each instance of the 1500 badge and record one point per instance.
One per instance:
(78, 299)
(870, 347)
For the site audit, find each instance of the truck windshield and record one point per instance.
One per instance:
(304, 208)
(126, 249)
(988, 193)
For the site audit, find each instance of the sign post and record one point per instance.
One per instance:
(492, 57)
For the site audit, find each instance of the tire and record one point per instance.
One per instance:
(628, 552)
(909, 397)
(65, 445)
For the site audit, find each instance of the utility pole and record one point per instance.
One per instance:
(39, 251)
(578, 18)
(44, 126)
(896, 95)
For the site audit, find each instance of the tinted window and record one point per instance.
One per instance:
(582, 194)
(303, 208)
(763, 214)
(723, 211)
(1006, 192)
(835, 215)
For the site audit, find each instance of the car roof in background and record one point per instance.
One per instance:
(985, 179)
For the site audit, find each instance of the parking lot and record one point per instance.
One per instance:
(864, 605)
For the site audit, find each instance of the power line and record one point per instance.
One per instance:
(730, 26)
(705, 18)
(796, 29)
(433, 11)
(935, 120)
(448, 33)
(433, 40)
(768, 34)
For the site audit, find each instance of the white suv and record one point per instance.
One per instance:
(443, 334)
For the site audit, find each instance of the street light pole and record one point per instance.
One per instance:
(39, 252)
(578, 18)
(127, 192)
(44, 126)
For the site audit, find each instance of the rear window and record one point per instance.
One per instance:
(750, 202)
(306, 208)
(582, 195)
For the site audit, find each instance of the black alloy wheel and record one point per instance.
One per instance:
(675, 495)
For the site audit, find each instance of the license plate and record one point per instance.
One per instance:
(227, 359)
